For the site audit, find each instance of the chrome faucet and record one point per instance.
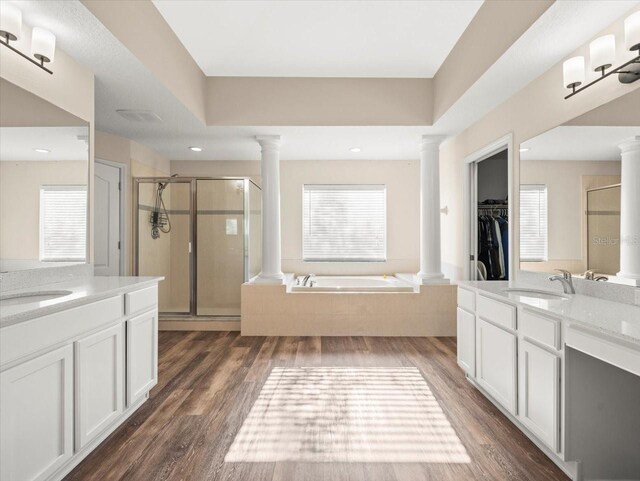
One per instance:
(565, 279)
(306, 279)
(590, 275)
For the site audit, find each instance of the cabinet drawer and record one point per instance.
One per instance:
(141, 300)
(466, 299)
(497, 312)
(540, 328)
(40, 333)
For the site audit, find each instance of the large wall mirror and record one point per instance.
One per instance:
(576, 213)
(44, 168)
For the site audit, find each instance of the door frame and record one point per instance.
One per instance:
(123, 199)
(470, 203)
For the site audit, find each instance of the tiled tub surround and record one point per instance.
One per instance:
(276, 310)
(565, 371)
(72, 369)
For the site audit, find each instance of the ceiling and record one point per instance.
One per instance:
(18, 143)
(318, 38)
(574, 143)
(122, 82)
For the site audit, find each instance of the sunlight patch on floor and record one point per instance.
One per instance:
(329, 414)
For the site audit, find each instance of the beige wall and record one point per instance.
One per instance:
(403, 206)
(318, 101)
(538, 107)
(20, 184)
(565, 197)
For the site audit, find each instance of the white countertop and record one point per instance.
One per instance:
(83, 291)
(603, 316)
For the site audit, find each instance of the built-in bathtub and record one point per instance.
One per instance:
(351, 284)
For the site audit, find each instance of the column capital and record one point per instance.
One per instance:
(630, 145)
(432, 139)
(269, 141)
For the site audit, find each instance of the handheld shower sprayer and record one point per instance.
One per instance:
(159, 219)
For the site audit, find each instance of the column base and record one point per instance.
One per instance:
(268, 279)
(627, 279)
(431, 279)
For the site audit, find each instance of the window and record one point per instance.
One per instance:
(344, 223)
(63, 223)
(533, 223)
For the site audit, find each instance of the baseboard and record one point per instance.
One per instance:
(198, 325)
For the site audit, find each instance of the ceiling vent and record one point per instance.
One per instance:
(145, 116)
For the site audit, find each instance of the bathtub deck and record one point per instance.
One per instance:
(288, 409)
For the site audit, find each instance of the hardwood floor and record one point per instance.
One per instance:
(220, 394)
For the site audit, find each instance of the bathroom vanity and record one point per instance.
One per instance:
(564, 368)
(77, 358)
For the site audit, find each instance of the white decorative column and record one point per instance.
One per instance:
(271, 272)
(630, 212)
(430, 261)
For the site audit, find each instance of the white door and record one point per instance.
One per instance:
(100, 382)
(107, 220)
(496, 363)
(539, 383)
(36, 415)
(142, 355)
(467, 341)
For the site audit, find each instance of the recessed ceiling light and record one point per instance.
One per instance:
(195, 149)
(524, 149)
(42, 151)
(355, 149)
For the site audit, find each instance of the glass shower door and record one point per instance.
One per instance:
(220, 264)
(164, 241)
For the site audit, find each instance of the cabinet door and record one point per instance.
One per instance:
(99, 382)
(36, 415)
(467, 341)
(539, 383)
(142, 355)
(496, 363)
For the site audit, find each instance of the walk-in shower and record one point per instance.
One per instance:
(204, 236)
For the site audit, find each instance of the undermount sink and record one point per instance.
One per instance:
(26, 297)
(536, 293)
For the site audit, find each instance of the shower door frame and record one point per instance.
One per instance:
(193, 238)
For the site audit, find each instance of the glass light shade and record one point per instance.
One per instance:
(632, 32)
(10, 21)
(573, 72)
(602, 52)
(43, 44)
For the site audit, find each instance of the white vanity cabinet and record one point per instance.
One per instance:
(66, 377)
(36, 415)
(99, 382)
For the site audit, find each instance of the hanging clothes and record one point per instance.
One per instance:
(493, 241)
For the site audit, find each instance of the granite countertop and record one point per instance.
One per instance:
(83, 291)
(602, 316)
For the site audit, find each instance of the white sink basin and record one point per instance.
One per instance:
(27, 297)
(536, 293)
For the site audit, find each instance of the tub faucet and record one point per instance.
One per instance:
(306, 279)
(565, 279)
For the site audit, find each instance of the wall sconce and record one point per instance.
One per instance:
(602, 56)
(43, 42)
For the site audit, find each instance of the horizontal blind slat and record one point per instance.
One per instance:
(63, 223)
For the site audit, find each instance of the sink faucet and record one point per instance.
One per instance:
(565, 279)
(306, 278)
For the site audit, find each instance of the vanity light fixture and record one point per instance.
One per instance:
(42, 151)
(602, 55)
(195, 149)
(43, 42)
(355, 149)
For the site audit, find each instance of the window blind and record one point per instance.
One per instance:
(63, 223)
(533, 223)
(344, 223)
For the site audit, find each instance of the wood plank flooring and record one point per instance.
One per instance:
(209, 382)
